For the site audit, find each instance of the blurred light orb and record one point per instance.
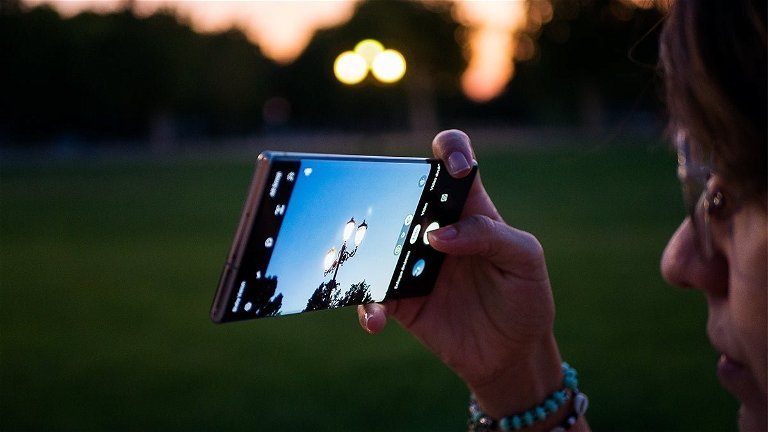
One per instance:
(389, 66)
(350, 68)
(386, 65)
(369, 49)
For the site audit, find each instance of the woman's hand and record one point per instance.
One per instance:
(490, 315)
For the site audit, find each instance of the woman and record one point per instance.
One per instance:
(490, 316)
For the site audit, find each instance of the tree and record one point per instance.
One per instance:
(594, 58)
(122, 75)
(425, 36)
(8, 6)
(263, 303)
(322, 297)
(326, 296)
(272, 308)
(357, 294)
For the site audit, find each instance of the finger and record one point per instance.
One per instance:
(372, 317)
(509, 249)
(478, 202)
(454, 148)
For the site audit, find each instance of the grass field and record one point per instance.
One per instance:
(108, 268)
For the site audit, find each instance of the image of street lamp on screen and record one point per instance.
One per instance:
(330, 232)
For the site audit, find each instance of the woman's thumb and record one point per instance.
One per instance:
(509, 249)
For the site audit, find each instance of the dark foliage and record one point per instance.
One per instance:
(321, 298)
(119, 75)
(264, 304)
(594, 64)
(327, 296)
(125, 77)
(357, 294)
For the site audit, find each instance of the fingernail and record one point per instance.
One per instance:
(444, 234)
(458, 164)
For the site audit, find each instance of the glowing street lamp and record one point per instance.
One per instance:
(330, 259)
(334, 261)
(360, 233)
(369, 49)
(350, 68)
(348, 229)
(389, 66)
(386, 65)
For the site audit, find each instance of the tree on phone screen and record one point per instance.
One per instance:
(326, 296)
(263, 302)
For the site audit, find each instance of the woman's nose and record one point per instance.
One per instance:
(683, 265)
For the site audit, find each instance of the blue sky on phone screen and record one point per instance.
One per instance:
(326, 195)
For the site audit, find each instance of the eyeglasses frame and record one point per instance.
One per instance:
(694, 176)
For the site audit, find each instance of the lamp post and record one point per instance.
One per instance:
(333, 260)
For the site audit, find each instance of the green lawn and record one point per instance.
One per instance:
(107, 271)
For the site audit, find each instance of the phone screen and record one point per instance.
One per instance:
(329, 232)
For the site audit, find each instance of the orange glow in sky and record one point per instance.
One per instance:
(282, 29)
(492, 25)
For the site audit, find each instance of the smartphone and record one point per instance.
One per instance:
(325, 231)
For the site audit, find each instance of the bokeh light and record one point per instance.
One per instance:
(369, 49)
(350, 68)
(386, 65)
(389, 66)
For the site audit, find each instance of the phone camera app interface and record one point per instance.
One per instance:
(331, 233)
(337, 234)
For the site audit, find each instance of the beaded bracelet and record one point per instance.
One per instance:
(479, 421)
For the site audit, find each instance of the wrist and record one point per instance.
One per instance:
(561, 411)
(525, 382)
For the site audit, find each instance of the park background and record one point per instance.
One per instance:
(127, 142)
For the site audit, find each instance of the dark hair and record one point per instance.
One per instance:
(713, 57)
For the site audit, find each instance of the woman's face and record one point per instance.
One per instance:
(732, 275)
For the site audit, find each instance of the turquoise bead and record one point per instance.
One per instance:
(540, 413)
(571, 382)
(504, 424)
(528, 418)
(559, 397)
(551, 405)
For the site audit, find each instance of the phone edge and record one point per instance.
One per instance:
(242, 233)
